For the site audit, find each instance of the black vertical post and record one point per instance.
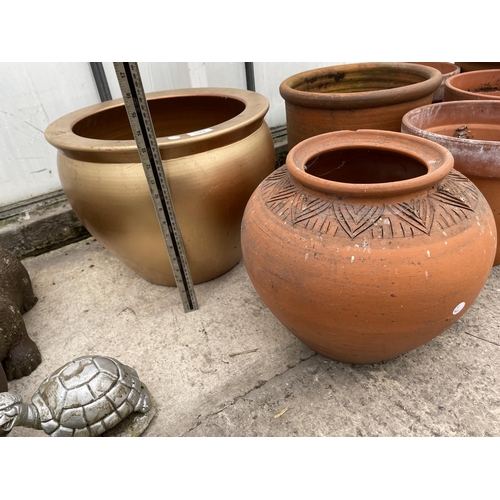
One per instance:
(249, 72)
(101, 81)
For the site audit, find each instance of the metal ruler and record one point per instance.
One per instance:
(139, 116)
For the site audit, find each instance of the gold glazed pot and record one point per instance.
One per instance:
(367, 244)
(355, 96)
(216, 148)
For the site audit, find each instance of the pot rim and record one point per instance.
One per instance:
(435, 108)
(436, 158)
(60, 132)
(353, 100)
(479, 76)
(451, 68)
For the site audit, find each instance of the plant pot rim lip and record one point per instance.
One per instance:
(372, 98)
(60, 132)
(477, 75)
(453, 67)
(438, 160)
(406, 122)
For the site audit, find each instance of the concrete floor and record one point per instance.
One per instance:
(89, 302)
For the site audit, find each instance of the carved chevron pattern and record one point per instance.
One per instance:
(355, 220)
(452, 202)
(418, 213)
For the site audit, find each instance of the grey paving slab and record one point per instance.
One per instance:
(231, 369)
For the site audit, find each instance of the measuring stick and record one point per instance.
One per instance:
(139, 116)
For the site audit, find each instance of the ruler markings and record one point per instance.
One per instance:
(144, 134)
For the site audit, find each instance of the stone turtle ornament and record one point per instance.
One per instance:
(90, 396)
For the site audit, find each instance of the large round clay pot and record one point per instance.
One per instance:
(447, 69)
(216, 148)
(367, 244)
(472, 85)
(355, 96)
(470, 130)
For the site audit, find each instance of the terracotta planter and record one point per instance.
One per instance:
(477, 66)
(483, 85)
(355, 96)
(367, 244)
(447, 69)
(476, 147)
(216, 148)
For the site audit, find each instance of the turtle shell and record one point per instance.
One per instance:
(88, 396)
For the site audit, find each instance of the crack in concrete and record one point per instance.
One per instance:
(258, 385)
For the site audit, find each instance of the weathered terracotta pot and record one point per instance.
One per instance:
(472, 85)
(447, 69)
(477, 66)
(470, 130)
(367, 244)
(355, 96)
(216, 148)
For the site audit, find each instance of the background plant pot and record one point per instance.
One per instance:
(483, 84)
(355, 96)
(476, 150)
(477, 66)
(367, 244)
(447, 69)
(216, 148)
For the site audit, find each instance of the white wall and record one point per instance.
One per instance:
(32, 95)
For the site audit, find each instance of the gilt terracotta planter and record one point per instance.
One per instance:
(470, 130)
(355, 96)
(368, 243)
(447, 69)
(216, 148)
(483, 85)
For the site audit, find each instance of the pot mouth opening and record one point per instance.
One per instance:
(172, 117)
(351, 82)
(485, 83)
(364, 165)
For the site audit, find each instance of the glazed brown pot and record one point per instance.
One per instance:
(483, 84)
(447, 69)
(470, 130)
(216, 148)
(355, 96)
(367, 244)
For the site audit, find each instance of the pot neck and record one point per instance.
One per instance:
(434, 161)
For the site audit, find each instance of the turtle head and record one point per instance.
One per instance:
(10, 409)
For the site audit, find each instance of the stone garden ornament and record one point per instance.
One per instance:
(89, 396)
(19, 355)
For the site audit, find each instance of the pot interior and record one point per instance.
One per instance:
(365, 166)
(170, 115)
(367, 80)
(466, 120)
(485, 82)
